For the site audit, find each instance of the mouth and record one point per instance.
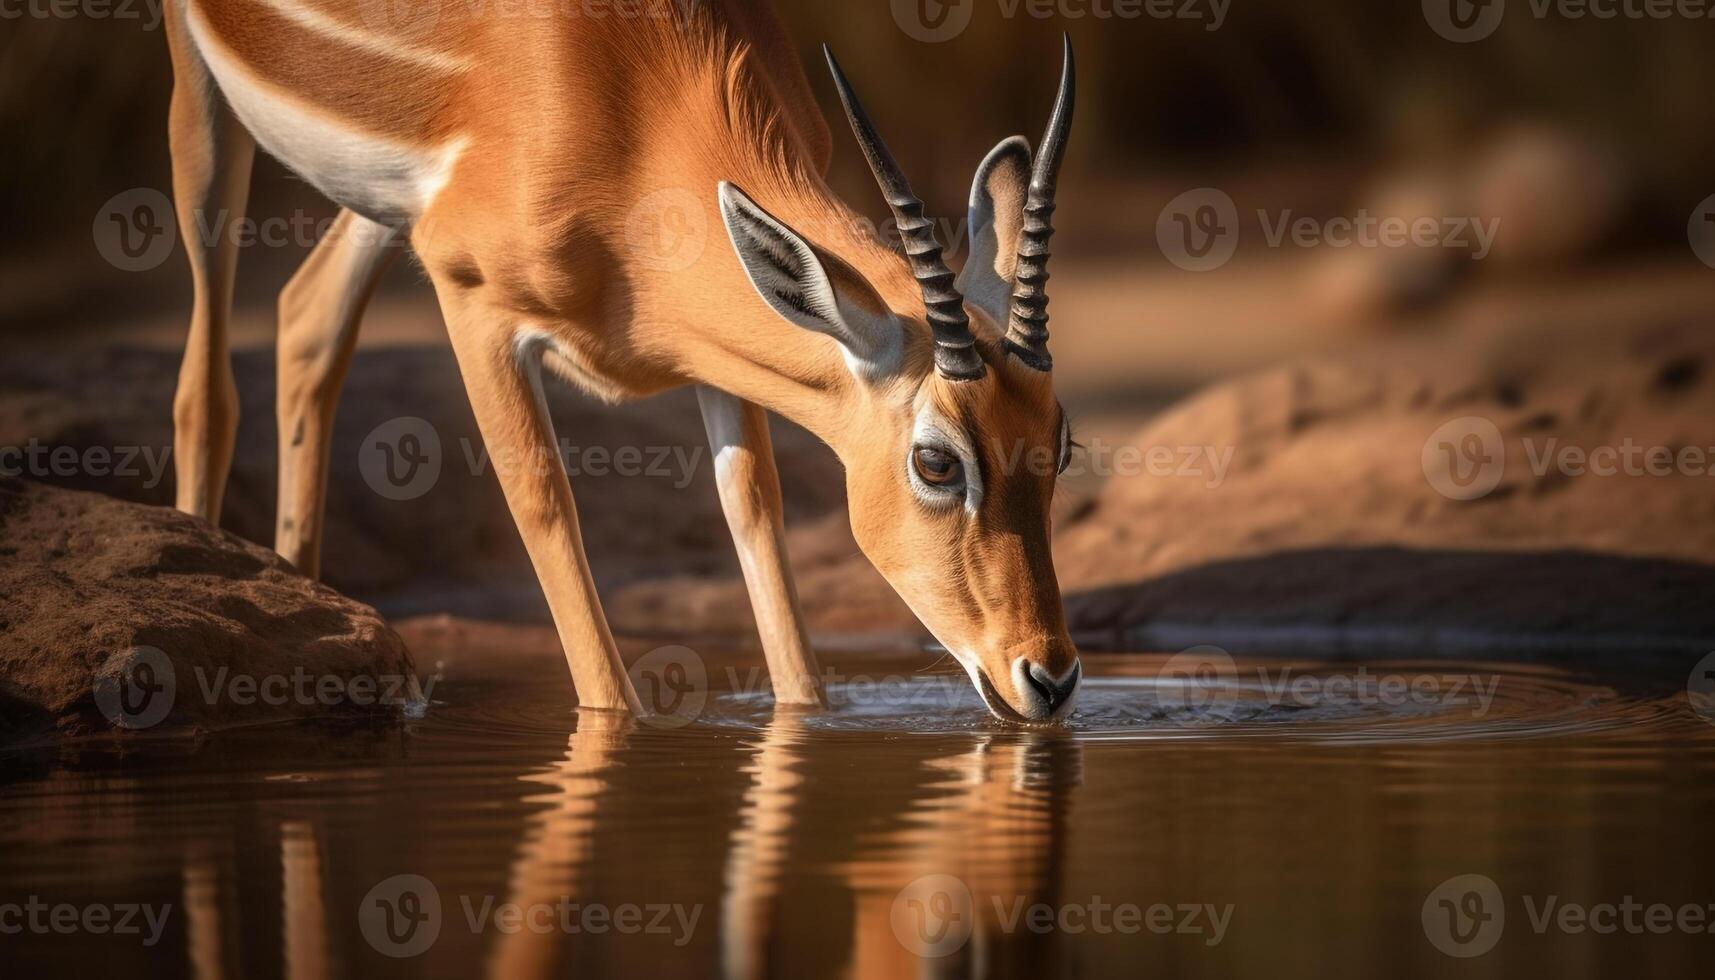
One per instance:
(999, 707)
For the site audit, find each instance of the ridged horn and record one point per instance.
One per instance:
(955, 346)
(1027, 319)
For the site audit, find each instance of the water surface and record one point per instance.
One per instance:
(1287, 819)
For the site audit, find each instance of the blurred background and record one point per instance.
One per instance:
(1590, 135)
(1226, 161)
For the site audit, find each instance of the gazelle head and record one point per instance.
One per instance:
(954, 438)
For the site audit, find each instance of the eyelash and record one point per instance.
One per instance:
(1072, 443)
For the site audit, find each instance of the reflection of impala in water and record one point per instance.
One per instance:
(559, 844)
(990, 812)
(997, 823)
(521, 156)
(212, 926)
(997, 833)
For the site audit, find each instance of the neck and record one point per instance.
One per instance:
(688, 297)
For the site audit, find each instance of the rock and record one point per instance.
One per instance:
(1438, 494)
(118, 615)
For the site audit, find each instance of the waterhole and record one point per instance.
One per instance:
(1169, 827)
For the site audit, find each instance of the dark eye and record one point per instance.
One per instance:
(936, 467)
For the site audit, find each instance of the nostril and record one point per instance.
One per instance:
(1044, 689)
(1054, 690)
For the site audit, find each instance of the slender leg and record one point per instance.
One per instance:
(750, 495)
(503, 379)
(319, 314)
(212, 153)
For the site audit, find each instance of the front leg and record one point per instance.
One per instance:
(750, 495)
(503, 378)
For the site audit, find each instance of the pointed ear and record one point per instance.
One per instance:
(813, 289)
(996, 215)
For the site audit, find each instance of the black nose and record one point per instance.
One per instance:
(1055, 693)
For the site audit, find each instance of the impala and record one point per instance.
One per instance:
(511, 151)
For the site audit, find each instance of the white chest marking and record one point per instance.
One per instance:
(383, 180)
